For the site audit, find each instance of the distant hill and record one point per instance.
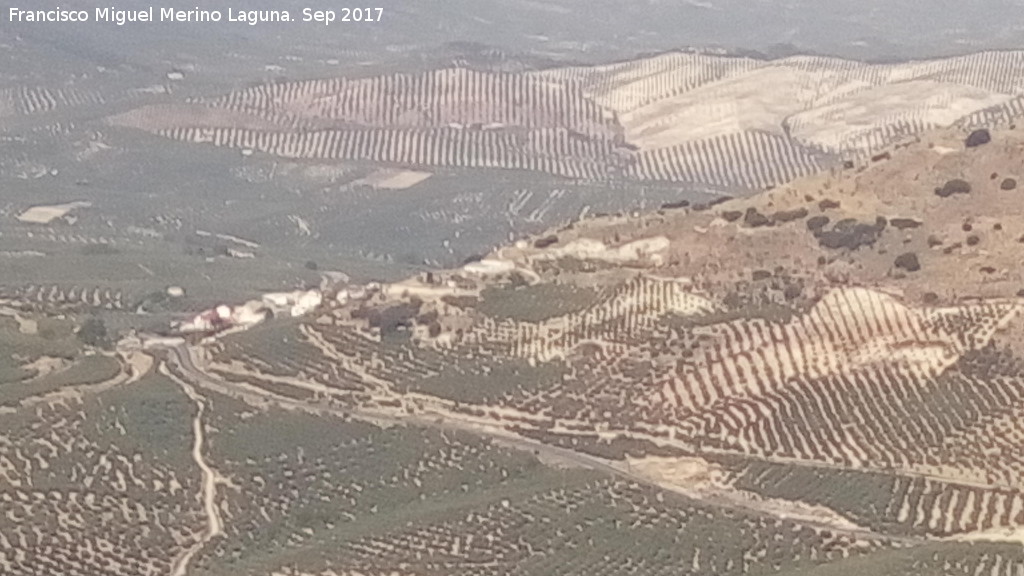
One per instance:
(736, 123)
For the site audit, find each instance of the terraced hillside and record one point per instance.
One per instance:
(822, 378)
(828, 354)
(450, 117)
(728, 122)
(35, 100)
(448, 503)
(825, 378)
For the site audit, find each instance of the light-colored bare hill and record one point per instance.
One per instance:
(824, 103)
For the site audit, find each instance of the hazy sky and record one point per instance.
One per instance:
(603, 29)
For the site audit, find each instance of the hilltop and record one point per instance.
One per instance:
(851, 226)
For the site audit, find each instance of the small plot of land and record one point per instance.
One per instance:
(86, 370)
(537, 302)
(474, 381)
(40, 355)
(47, 214)
(394, 179)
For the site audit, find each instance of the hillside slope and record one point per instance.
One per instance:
(843, 353)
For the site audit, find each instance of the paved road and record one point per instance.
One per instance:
(181, 361)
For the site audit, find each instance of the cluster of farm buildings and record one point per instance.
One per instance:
(252, 312)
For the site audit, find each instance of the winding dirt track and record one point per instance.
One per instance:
(214, 522)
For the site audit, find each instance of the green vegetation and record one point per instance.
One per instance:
(99, 250)
(82, 371)
(52, 337)
(160, 416)
(537, 302)
(94, 333)
(11, 372)
(313, 493)
(932, 559)
(479, 382)
(865, 497)
(52, 343)
(127, 453)
(328, 495)
(342, 480)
